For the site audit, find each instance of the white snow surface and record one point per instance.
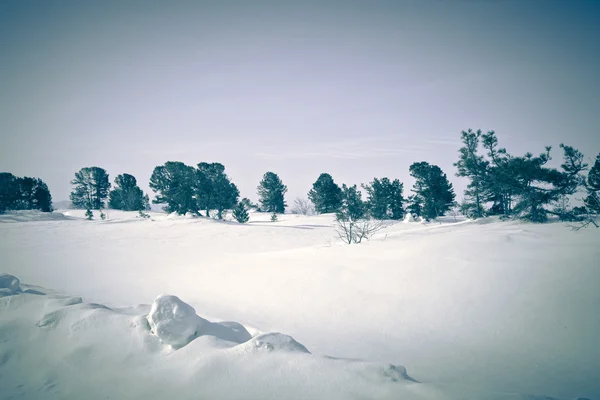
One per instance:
(473, 310)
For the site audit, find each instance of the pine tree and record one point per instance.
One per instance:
(9, 191)
(384, 199)
(89, 214)
(240, 213)
(325, 194)
(471, 165)
(271, 193)
(214, 189)
(432, 190)
(175, 184)
(592, 200)
(91, 188)
(498, 182)
(127, 195)
(353, 207)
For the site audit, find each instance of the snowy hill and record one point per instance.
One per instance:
(473, 310)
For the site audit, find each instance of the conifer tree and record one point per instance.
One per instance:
(127, 195)
(352, 208)
(471, 165)
(91, 188)
(592, 200)
(175, 184)
(432, 190)
(384, 199)
(240, 213)
(214, 189)
(325, 194)
(271, 193)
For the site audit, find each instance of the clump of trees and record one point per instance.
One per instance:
(384, 199)
(187, 189)
(23, 193)
(127, 195)
(302, 206)
(523, 187)
(271, 193)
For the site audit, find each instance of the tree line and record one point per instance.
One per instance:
(499, 184)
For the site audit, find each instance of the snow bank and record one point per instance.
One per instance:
(408, 218)
(31, 216)
(275, 341)
(173, 321)
(177, 324)
(9, 285)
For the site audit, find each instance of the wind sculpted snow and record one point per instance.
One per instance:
(472, 310)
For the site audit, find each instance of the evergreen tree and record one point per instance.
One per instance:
(240, 213)
(537, 186)
(127, 195)
(498, 181)
(325, 194)
(384, 199)
(353, 207)
(472, 166)
(175, 185)
(41, 199)
(91, 188)
(89, 215)
(214, 189)
(9, 191)
(271, 193)
(431, 189)
(249, 204)
(592, 200)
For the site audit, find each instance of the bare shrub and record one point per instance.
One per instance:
(354, 231)
(302, 206)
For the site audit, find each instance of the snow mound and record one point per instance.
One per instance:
(9, 285)
(31, 216)
(408, 218)
(274, 341)
(173, 321)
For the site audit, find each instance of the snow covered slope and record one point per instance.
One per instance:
(472, 310)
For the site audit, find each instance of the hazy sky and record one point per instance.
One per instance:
(356, 89)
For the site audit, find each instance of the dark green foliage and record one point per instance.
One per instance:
(325, 194)
(353, 207)
(434, 195)
(214, 190)
(89, 214)
(175, 184)
(592, 200)
(471, 165)
(248, 203)
(271, 193)
(240, 213)
(274, 217)
(384, 199)
(91, 188)
(23, 194)
(127, 195)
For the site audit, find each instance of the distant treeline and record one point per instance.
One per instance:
(499, 184)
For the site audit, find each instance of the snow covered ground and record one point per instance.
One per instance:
(473, 310)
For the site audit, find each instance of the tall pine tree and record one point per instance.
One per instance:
(432, 191)
(325, 194)
(592, 200)
(127, 195)
(271, 193)
(91, 188)
(175, 185)
(214, 189)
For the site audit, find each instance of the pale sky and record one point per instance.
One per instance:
(355, 89)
